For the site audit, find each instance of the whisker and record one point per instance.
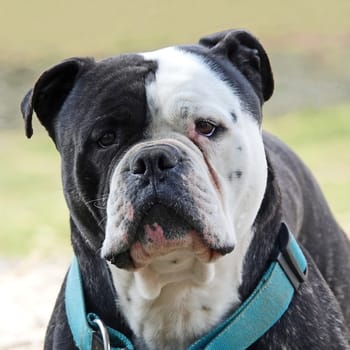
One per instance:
(98, 206)
(95, 202)
(102, 222)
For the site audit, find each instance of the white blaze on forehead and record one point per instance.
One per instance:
(185, 85)
(186, 88)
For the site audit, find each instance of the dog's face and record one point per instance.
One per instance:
(198, 163)
(162, 156)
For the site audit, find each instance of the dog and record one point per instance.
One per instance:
(177, 197)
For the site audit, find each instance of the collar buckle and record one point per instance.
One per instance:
(289, 257)
(97, 324)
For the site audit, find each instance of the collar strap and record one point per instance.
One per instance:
(86, 328)
(263, 308)
(266, 305)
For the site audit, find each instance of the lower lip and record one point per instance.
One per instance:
(143, 254)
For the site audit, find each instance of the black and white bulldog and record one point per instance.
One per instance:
(176, 196)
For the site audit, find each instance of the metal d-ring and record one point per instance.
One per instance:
(104, 333)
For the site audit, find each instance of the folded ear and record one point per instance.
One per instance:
(49, 93)
(246, 53)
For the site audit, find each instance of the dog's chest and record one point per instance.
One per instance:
(183, 311)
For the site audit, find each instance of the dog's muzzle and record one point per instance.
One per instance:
(159, 203)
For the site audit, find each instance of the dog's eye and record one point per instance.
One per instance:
(205, 128)
(107, 139)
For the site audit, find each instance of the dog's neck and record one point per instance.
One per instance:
(185, 309)
(266, 229)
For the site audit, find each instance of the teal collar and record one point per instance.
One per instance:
(263, 308)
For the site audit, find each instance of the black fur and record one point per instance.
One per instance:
(245, 52)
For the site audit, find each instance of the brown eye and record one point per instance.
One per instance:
(107, 139)
(205, 128)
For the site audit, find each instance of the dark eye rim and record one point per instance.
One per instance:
(104, 142)
(212, 130)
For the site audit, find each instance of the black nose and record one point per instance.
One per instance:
(154, 160)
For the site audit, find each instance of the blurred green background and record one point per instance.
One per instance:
(308, 43)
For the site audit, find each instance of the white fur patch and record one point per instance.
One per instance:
(185, 84)
(184, 309)
(170, 304)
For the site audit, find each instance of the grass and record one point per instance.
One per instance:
(31, 200)
(35, 218)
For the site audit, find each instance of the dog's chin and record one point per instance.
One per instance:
(162, 262)
(171, 250)
(162, 235)
(166, 249)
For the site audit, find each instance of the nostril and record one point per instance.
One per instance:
(139, 167)
(166, 162)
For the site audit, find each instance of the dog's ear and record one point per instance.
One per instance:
(247, 54)
(49, 93)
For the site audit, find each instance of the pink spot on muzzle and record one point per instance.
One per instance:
(155, 233)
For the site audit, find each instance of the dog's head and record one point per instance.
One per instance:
(162, 153)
